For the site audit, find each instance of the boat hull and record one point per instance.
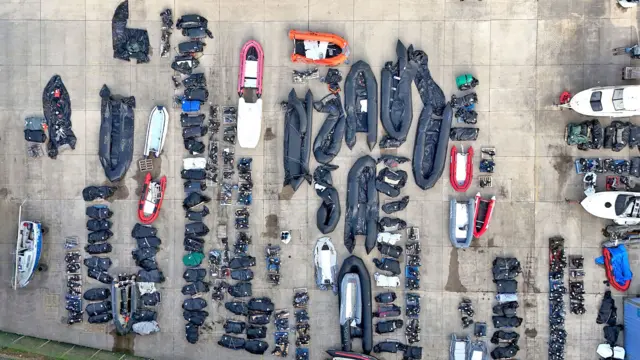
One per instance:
(156, 131)
(461, 222)
(316, 36)
(602, 205)
(249, 123)
(326, 265)
(461, 169)
(27, 256)
(151, 199)
(481, 225)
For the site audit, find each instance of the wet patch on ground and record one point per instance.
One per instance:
(491, 242)
(286, 193)
(271, 226)
(269, 135)
(123, 344)
(563, 165)
(531, 333)
(453, 281)
(4, 193)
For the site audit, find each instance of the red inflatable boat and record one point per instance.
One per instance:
(151, 199)
(482, 215)
(461, 169)
(318, 48)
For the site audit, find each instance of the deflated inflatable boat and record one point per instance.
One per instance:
(328, 142)
(355, 304)
(461, 224)
(297, 139)
(361, 104)
(318, 48)
(250, 92)
(362, 204)
(56, 106)
(328, 214)
(395, 98)
(116, 134)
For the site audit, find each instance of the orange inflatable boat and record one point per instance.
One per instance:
(318, 48)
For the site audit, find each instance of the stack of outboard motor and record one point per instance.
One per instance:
(505, 271)
(144, 256)
(557, 291)
(73, 300)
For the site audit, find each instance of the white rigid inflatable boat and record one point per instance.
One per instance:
(326, 264)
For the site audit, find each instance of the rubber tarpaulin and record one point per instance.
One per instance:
(328, 142)
(128, 43)
(395, 97)
(56, 105)
(361, 104)
(362, 204)
(297, 139)
(116, 134)
(617, 268)
(328, 213)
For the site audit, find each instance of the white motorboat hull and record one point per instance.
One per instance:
(28, 252)
(627, 4)
(602, 205)
(156, 131)
(581, 102)
(326, 264)
(249, 123)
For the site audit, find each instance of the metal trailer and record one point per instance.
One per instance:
(631, 73)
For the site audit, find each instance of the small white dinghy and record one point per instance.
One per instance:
(620, 206)
(156, 131)
(326, 264)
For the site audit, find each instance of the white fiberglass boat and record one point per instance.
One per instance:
(326, 264)
(156, 131)
(250, 92)
(620, 206)
(608, 101)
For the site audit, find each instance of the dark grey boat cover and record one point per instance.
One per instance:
(297, 139)
(128, 43)
(362, 204)
(361, 104)
(56, 105)
(116, 134)
(395, 98)
(328, 142)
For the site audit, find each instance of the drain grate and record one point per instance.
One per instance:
(145, 165)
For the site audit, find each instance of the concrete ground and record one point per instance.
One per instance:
(524, 53)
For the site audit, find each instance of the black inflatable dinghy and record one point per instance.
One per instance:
(355, 304)
(361, 104)
(116, 133)
(362, 204)
(297, 139)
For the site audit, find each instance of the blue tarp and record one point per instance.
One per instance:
(619, 263)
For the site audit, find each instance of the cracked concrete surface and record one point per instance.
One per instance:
(524, 53)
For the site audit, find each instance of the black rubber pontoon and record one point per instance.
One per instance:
(297, 139)
(128, 43)
(355, 265)
(362, 204)
(116, 134)
(395, 98)
(361, 85)
(328, 142)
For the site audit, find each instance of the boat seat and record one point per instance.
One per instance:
(630, 204)
(460, 350)
(251, 74)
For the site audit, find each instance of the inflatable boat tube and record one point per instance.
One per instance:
(250, 103)
(395, 96)
(345, 355)
(151, 199)
(318, 48)
(355, 265)
(297, 139)
(482, 215)
(430, 92)
(328, 213)
(460, 223)
(328, 142)
(362, 204)
(461, 169)
(116, 134)
(361, 104)
(430, 148)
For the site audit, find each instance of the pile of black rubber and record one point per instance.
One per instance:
(195, 27)
(116, 133)
(56, 105)
(505, 271)
(557, 291)
(128, 43)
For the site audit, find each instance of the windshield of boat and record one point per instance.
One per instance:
(596, 101)
(618, 102)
